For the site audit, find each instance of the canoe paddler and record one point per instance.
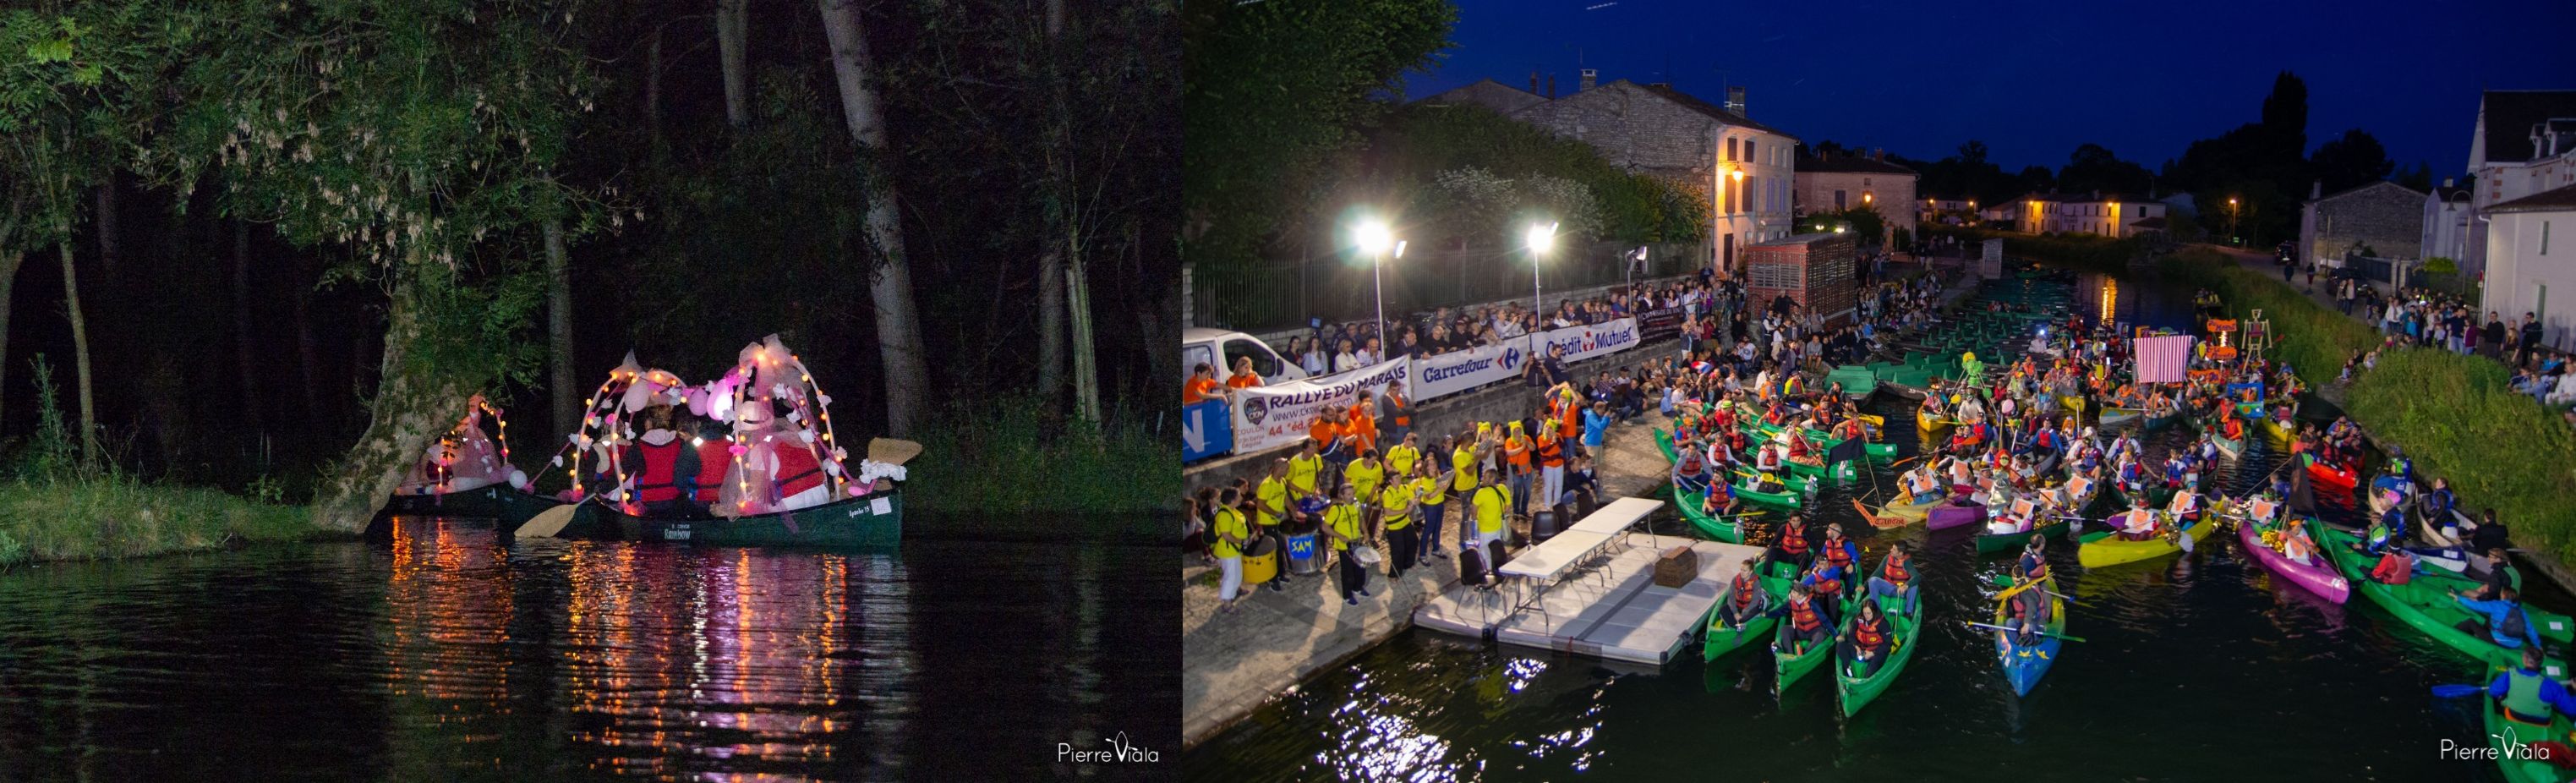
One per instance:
(1895, 576)
(1810, 621)
(1745, 598)
(1838, 551)
(2529, 696)
(2029, 606)
(1690, 472)
(662, 461)
(715, 459)
(1868, 641)
(2033, 563)
(1792, 546)
(2507, 624)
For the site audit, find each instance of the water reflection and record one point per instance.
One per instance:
(452, 656)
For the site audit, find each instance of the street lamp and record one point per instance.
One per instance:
(1541, 240)
(1376, 239)
(2231, 223)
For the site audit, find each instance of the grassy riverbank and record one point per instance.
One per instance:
(116, 516)
(2456, 416)
(1005, 459)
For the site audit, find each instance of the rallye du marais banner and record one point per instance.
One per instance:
(1268, 417)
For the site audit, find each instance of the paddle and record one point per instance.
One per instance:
(2456, 691)
(1974, 624)
(548, 522)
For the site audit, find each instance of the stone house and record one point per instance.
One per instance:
(2525, 143)
(1841, 182)
(2383, 219)
(1743, 168)
(2525, 260)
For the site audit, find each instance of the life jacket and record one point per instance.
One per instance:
(1802, 615)
(1838, 553)
(654, 483)
(715, 456)
(2522, 700)
(1868, 635)
(1745, 584)
(1896, 570)
(1793, 541)
(1829, 588)
(797, 469)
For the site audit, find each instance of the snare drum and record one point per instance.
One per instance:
(1262, 563)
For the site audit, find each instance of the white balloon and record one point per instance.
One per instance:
(518, 478)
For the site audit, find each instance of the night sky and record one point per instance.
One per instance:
(2035, 79)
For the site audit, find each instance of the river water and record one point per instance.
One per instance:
(452, 655)
(2198, 667)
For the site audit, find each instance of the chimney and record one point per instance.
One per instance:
(2446, 182)
(1878, 154)
(1589, 75)
(2317, 189)
(1533, 82)
(1735, 101)
(1551, 86)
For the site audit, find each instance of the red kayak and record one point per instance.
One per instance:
(2337, 476)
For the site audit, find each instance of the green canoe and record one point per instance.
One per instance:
(2505, 735)
(1990, 543)
(1820, 438)
(2426, 605)
(1791, 667)
(1722, 639)
(1727, 530)
(1856, 692)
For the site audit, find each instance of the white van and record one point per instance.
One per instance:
(1219, 348)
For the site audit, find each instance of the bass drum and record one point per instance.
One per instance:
(1262, 563)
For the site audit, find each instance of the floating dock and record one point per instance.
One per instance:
(1600, 600)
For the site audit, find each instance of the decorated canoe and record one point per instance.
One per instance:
(2024, 664)
(2316, 576)
(872, 520)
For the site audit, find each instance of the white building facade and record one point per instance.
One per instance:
(2098, 214)
(2529, 258)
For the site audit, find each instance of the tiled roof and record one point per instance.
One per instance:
(1715, 112)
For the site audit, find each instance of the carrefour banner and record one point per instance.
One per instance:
(1451, 373)
(1267, 417)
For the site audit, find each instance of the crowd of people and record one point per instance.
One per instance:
(2422, 317)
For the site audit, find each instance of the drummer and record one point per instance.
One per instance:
(1342, 526)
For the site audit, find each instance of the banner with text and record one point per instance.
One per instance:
(1664, 324)
(1601, 339)
(1451, 373)
(1267, 417)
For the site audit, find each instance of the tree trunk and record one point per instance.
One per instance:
(907, 378)
(80, 349)
(733, 26)
(653, 89)
(409, 409)
(1086, 368)
(107, 249)
(242, 347)
(1050, 327)
(306, 354)
(9, 261)
(562, 386)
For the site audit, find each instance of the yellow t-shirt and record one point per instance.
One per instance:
(1302, 471)
(1230, 522)
(1464, 461)
(1364, 477)
(1392, 501)
(1271, 500)
(1490, 503)
(1427, 490)
(1345, 519)
(1399, 460)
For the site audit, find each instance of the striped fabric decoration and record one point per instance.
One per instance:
(2162, 359)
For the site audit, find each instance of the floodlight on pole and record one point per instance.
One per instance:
(1375, 239)
(1541, 240)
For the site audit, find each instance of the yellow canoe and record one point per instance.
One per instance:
(2074, 403)
(2104, 548)
(1931, 425)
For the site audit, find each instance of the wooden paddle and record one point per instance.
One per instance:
(548, 522)
(892, 451)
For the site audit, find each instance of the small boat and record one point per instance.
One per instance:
(2105, 548)
(1857, 692)
(1933, 427)
(2508, 736)
(2218, 435)
(1788, 668)
(2279, 431)
(1990, 543)
(2156, 423)
(2426, 605)
(1959, 511)
(1664, 441)
(1899, 513)
(871, 520)
(2341, 477)
(2074, 403)
(1721, 638)
(511, 506)
(2317, 577)
(1901, 390)
(2023, 665)
(2112, 417)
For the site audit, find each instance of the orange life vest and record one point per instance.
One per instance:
(1744, 587)
(654, 483)
(797, 469)
(1836, 553)
(1895, 570)
(1802, 613)
(714, 457)
(1869, 635)
(1793, 541)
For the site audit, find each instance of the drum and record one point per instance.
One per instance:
(1367, 555)
(1262, 563)
(1303, 555)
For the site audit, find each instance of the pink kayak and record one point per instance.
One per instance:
(1959, 511)
(2318, 576)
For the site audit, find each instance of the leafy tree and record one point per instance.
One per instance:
(2351, 160)
(2035, 179)
(1271, 88)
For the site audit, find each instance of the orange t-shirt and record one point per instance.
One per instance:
(1516, 451)
(1198, 390)
(1323, 431)
(1362, 431)
(1244, 380)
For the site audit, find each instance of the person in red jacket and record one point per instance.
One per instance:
(715, 460)
(662, 462)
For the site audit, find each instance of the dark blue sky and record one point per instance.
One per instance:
(2035, 79)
